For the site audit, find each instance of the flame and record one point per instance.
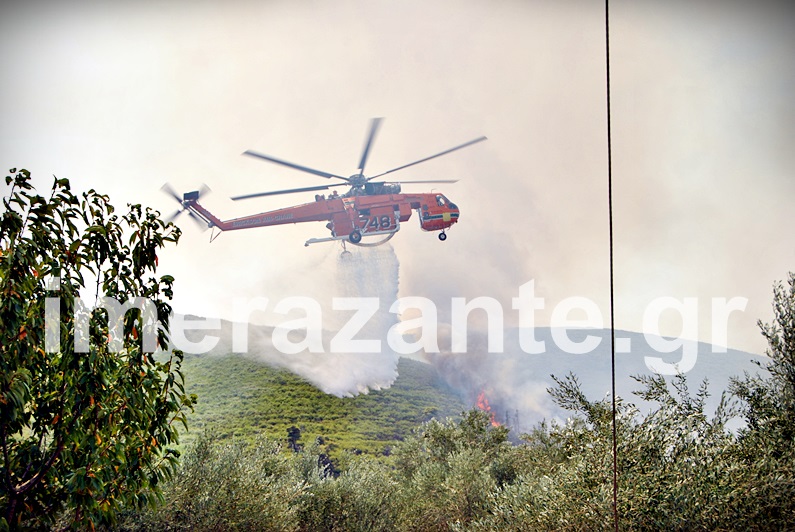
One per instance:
(483, 404)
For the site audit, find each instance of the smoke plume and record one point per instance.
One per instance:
(359, 273)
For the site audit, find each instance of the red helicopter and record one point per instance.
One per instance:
(367, 209)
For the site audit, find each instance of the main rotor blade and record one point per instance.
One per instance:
(429, 181)
(292, 165)
(288, 191)
(374, 124)
(445, 152)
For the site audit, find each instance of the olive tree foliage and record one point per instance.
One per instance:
(679, 466)
(360, 498)
(83, 432)
(225, 485)
(770, 402)
(439, 477)
(446, 470)
(264, 485)
(766, 454)
(673, 465)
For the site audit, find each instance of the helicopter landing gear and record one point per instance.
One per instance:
(442, 236)
(355, 237)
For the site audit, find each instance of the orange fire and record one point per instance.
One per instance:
(483, 404)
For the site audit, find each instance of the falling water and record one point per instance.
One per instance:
(358, 273)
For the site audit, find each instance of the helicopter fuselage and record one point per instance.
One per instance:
(348, 217)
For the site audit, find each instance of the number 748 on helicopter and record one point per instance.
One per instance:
(368, 209)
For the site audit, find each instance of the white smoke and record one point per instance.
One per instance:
(515, 383)
(358, 273)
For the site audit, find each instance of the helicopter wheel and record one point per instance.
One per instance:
(442, 236)
(355, 237)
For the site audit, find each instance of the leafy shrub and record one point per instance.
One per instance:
(85, 430)
(224, 485)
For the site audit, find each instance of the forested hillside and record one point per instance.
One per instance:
(240, 398)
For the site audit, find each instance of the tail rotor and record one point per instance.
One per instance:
(184, 202)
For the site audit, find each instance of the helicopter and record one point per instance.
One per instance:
(368, 209)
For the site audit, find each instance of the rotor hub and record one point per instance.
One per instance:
(357, 180)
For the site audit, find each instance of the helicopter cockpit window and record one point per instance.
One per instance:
(442, 201)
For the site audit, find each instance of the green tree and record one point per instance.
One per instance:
(770, 401)
(83, 431)
(360, 498)
(445, 471)
(766, 451)
(679, 465)
(226, 485)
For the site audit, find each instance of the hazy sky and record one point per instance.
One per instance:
(124, 96)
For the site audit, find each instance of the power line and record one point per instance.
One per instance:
(612, 311)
